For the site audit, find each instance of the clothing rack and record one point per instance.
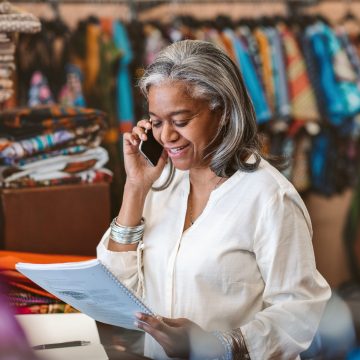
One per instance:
(140, 7)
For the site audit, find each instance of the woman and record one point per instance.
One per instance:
(226, 246)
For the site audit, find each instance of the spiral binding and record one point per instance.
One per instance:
(128, 291)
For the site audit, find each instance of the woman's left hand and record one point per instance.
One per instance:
(180, 338)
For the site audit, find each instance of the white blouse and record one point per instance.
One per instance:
(246, 262)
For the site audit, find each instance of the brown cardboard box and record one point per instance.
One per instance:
(67, 219)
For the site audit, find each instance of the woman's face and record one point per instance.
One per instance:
(183, 125)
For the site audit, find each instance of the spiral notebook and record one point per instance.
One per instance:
(89, 287)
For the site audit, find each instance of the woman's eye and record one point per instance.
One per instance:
(181, 124)
(156, 124)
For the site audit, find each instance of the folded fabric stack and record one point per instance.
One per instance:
(12, 20)
(52, 145)
(24, 295)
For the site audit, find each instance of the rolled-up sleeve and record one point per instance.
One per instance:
(124, 265)
(295, 293)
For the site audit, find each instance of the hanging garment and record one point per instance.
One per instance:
(321, 157)
(227, 44)
(247, 38)
(72, 93)
(342, 95)
(110, 56)
(350, 52)
(302, 99)
(282, 105)
(251, 80)
(265, 53)
(300, 171)
(40, 93)
(154, 43)
(92, 61)
(124, 95)
(313, 75)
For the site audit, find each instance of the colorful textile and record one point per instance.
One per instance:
(85, 177)
(350, 51)
(303, 104)
(282, 105)
(18, 297)
(39, 122)
(39, 93)
(342, 95)
(50, 118)
(124, 95)
(71, 94)
(265, 54)
(92, 64)
(252, 47)
(57, 308)
(58, 167)
(80, 136)
(251, 80)
(313, 76)
(71, 150)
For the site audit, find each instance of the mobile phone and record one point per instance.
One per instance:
(150, 148)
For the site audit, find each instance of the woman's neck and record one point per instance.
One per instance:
(204, 179)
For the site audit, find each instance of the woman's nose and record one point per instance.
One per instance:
(168, 133)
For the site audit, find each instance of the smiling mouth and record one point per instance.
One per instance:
(176, 150)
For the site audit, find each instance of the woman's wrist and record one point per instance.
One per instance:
(234, 345)
(126, 235)
(136, 189)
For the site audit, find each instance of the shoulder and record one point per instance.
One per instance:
(269, 180)
(279, 195)
(265, 187)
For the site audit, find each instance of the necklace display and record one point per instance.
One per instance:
(192, 220)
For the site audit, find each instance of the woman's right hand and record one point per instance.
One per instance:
(139, 172)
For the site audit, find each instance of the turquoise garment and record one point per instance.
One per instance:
(124, 94)
(342, 97)
(251, 79)
(349, 88)
(251, 46)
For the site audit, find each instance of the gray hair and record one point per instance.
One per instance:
(211, 75)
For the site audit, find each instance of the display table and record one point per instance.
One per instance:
(60, 328)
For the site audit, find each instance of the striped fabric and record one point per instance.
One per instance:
(302, 98)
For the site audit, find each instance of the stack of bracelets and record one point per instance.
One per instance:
(127, 235)
(234, 344)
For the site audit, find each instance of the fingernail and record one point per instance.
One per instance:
(143, 136)
(138, 315)
(136, 324)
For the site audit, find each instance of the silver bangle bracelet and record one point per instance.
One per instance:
(234, 345)
(126, 235)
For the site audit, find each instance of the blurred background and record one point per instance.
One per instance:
(68, 90)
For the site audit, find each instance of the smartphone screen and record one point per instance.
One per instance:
(151, 149)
